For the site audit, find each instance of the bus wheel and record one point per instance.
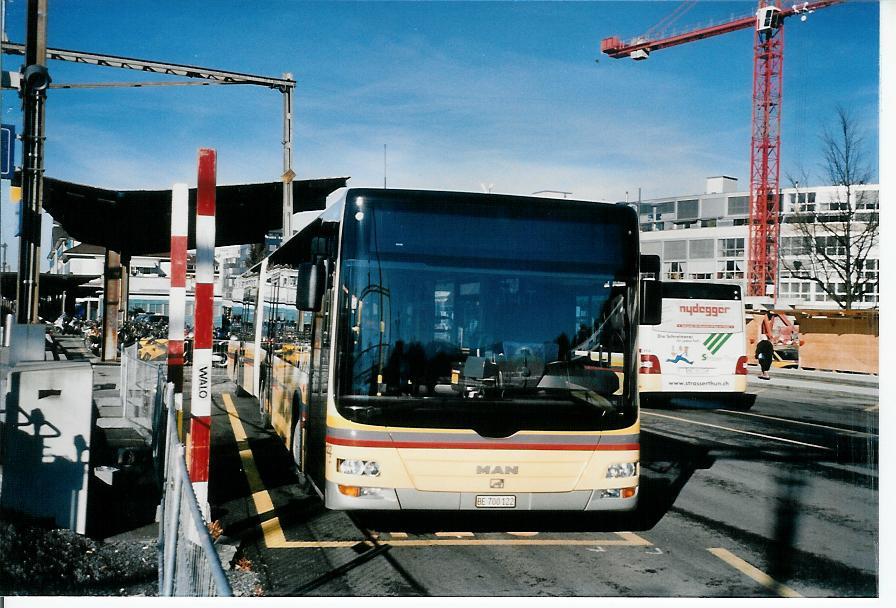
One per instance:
(744, 402)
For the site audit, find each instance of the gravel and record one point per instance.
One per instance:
(36, 560)
(41, 561)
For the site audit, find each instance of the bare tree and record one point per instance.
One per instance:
(257, 252)
(835, 238)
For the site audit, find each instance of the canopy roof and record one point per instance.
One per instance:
(138, 222)
(51, 284)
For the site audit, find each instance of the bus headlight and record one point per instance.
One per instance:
(622, 469)
(357, 467)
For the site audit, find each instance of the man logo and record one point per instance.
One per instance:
(496, 484)
(497, 469)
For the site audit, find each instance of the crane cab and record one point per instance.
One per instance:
(768, 18)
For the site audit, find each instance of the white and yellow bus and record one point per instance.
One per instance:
(457, 351)
(700, 347)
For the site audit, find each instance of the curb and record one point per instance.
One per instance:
(831, 389)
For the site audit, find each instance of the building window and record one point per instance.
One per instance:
(866, 199)
(656, 211)
(731, 248)
(700, 276)
(803, 202)
(652, 248)
(700, 249)
(793, 246)
(675, 250)
(687, 210)
(837, 205)
(794, 273)
(730, 270)
(796, 289)
(674, 271)
(738, 205)
(830, 245)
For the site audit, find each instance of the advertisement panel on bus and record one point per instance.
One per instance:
(700, 346)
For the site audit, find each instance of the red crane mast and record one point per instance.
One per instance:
(765, 166)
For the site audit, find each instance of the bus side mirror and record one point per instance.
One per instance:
(310, 285)
(651, 310)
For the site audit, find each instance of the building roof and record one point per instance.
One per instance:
(138, 222)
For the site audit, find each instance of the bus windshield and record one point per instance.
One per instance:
(479, 314)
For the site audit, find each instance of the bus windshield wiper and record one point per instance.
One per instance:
(584, 383)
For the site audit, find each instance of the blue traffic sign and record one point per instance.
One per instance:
(8, 151)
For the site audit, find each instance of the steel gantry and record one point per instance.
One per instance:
(286, 85)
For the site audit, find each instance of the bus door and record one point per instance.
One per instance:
(266, 366)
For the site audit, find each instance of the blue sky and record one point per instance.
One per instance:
(465, 95)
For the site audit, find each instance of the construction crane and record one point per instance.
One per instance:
(768, 61)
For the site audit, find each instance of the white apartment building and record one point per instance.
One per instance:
(704, 237)
(149, 283)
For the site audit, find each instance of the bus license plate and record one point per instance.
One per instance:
(496, 502)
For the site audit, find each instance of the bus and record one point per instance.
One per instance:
(699, 348)
(456, 351)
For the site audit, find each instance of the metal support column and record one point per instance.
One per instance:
(111, 296)
(34, 85)
(125, 292)
(288, 173)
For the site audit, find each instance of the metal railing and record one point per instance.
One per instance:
(189, 565)
(143, 385)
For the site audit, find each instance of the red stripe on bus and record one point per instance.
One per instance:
(202, 332)
(205, 190)
(200, 433)
(434, 445)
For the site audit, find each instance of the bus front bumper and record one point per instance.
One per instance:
(404, 498)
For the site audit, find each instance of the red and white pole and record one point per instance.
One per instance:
(201, 394)
(178, 298)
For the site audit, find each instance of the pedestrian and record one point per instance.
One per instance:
(764, 348)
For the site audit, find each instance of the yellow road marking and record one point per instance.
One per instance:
(398, 534)
(628, 540)
(273, 533)
(753, 572)
(633, 539)
(271, 529)
(235, 423)
(263, 502)
(453, 534)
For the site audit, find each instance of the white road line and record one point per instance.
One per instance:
(726, 428)
(821, 426)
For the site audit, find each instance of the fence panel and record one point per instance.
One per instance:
(142, 388)
(189, 565)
